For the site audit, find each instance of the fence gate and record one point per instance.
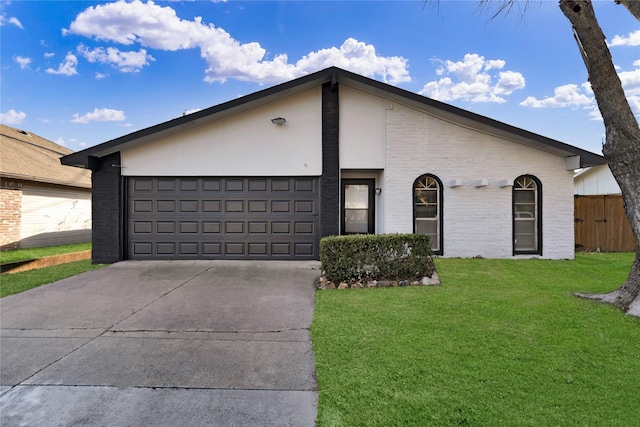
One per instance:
(602, 225)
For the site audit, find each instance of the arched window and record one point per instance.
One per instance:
(427, 210)
(527, 215)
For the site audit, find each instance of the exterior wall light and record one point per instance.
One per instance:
(279, 121)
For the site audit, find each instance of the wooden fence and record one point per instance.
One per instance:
(602, 225)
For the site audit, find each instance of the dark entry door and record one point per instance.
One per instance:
(358, 203)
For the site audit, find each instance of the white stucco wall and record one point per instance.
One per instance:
(362, 130)
(477, 220)
(596, 180)
(246, 144)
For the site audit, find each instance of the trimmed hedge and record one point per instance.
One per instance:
(380, 256)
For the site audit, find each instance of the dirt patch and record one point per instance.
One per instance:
(31, 264)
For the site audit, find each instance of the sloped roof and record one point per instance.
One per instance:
(26, 156)
(334, 75)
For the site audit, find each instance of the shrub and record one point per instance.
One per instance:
(380, 256)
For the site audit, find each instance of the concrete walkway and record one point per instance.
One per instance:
(162, 343)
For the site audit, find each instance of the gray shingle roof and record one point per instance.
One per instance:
(26, 156)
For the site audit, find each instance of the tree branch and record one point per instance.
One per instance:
(632, 6)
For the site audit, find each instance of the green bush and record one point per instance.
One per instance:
(380, 256)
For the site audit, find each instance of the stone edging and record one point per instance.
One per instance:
(323, 283)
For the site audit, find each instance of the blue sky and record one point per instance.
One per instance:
(83, 72)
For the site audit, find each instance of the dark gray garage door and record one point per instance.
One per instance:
(230, 218)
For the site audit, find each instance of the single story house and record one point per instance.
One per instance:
(265, 176)
(43, 203)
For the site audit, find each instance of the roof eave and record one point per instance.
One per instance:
(44, 180)
(332, 74)
(476, 121)
(208, 115)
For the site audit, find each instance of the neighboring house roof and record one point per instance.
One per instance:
(29, 157)
(333, 75)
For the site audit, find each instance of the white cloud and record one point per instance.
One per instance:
(100, 76)
(470, 80)
(61, 141)
(631, 84)
(49, 55)
(156, 27)
(13, 117)
(66, 68)
(22, 61)
(634, 103)
(570, 95)
(127, 62)
(631, 81)
(100, 115)
(12, 20)
(358, 57)
(574, 96)
(633, 39)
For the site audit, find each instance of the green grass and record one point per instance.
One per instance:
(25, 254)
(13, 283)
(500, 343)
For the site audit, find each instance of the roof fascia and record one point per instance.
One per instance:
(42, 180)
(333, 74)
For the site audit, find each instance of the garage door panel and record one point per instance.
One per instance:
(303, 249)
(258, 185)
(234, 206)
(211, 185)
(143, 185)
(211, 206)
(248, 218)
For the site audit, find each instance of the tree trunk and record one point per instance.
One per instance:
(622, 145)
(632, 6)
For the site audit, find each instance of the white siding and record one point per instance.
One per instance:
(245, 144)
(596, 180)
(362, 129)
(54, 216)
(477, 220)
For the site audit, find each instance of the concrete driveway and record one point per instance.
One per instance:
(162, 343)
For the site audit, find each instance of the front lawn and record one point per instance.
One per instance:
(18, 282)
(500, 343)
(34, 253)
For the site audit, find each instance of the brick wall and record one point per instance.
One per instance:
(10, 213)
(107, 211)
(477, 220)
(330, 180)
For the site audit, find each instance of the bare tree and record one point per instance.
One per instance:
(622, 144)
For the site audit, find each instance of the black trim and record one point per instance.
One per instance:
(538, 217)
(107, 200)
(371, 220)
(330, 180)
(440, 251)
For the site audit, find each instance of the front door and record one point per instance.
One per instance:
(358, 203)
